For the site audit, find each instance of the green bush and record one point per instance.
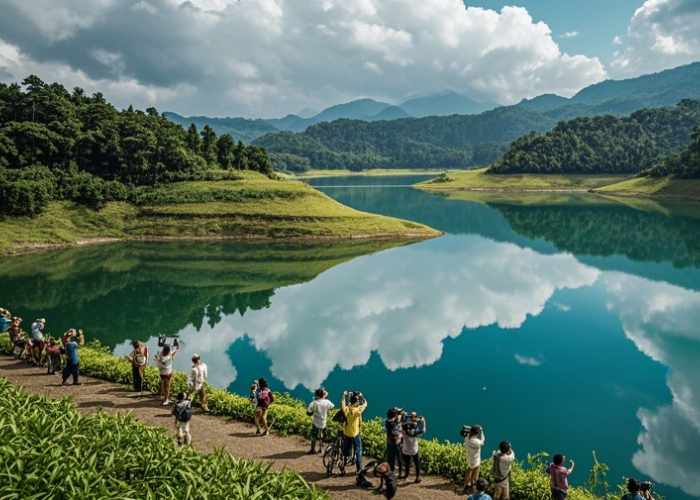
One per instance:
(98, 456)
(288, 416)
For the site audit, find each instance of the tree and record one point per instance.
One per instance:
(208, 144)
(225, 151)
(193, 140)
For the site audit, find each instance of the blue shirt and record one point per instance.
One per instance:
(72, 352)
(479, 496)
(4, 324)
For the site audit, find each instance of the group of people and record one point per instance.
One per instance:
(43, 350)
(196, 383)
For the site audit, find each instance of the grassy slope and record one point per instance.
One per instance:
(666, 187)
(290, 210)
(367, 173)
(479, 180)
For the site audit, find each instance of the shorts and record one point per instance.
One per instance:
(558, 494)
(501, 493)
(169, 376)
(473, 474)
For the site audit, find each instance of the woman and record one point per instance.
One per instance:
(164, 360)
(138, 359)
(196, 379)
(17, 337)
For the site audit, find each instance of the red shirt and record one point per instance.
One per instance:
(558, 474)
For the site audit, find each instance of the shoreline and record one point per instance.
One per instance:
(29, 248)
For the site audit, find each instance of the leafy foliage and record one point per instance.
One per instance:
(98, 456)
(604, 144)
(685, 165)
(56, 145)
(434, 142)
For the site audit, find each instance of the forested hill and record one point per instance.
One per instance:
(242, 129)
(60, 145)
(685, 165)
(455, 141)
(604, 144)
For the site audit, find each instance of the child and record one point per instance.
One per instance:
(481, 485)
(254, 394)
(183, 414)
(53, 358)
(386, 476)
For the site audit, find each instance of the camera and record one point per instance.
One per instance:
(399, 411)
(646, 486)
(465, 430)
(163, 341)
(355, 393)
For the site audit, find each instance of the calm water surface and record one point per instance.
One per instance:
(565, 324)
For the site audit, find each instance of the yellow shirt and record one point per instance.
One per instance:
(354, 416)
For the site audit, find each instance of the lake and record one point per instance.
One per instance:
(563, 324)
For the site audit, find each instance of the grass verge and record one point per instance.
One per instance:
(480, 180)
(288, 416)
(254, 207)
(98, 456)
(664, 187)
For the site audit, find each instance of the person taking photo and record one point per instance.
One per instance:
(351, 434)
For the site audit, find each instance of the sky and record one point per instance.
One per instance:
(268, 58)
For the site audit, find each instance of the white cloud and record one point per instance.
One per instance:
(662, 34)
(570, 34)
(662, 320)
(305, 54)
(617, 40)
(529, 361)
(562, 307)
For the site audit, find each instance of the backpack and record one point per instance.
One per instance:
(183, 413)
(340, 417)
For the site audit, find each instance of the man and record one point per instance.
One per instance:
(633, 486)
(196, 378)
(182, 411)
(17, 337)
(72, 359)
(392, 424)
(503, 460)
(412, 428)
(164, 360)
(558, 474)
(353, 414)
(319, 408)
(481, 485)
(473, 445)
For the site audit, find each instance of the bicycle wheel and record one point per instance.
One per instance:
(329, 459)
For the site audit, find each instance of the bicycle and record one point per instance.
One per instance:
(333, 456)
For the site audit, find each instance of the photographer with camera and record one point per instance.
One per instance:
(196, 381)
(503, 459)
(638, 491)
(392, 424)
(138, 359)
(558, 474)
(473, 445)
(412, 427)
(353, 414)
(319, 409)
(164, 360)
(72, 360)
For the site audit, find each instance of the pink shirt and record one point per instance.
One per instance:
(558, 474)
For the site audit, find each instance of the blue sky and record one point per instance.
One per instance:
(596, 21)
(267, 58)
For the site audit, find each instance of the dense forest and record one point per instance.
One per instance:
(455, 141)
(604, 144)
(685, 164)
(60, 145)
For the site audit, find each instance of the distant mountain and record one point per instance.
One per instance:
(242, 129)
(456, 141)
(445, 104)
(390, 113)
(307, 113)
(545, 101)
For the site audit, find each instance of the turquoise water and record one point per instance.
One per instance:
(566, 327)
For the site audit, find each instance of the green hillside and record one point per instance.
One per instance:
(605, 144)
(416, 143)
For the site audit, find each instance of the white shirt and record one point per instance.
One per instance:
(473, 447)
(320, 407)
(197, 376)
(165, 364)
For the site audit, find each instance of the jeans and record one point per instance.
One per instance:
(393, 455)
(407, 463)
(558, 494)
(356, 442)
(71, 369)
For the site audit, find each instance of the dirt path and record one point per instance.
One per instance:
(209, 432)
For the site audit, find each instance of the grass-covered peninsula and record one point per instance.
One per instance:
(483, 180)
(252, 207)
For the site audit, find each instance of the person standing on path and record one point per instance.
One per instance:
(558, 476)
(319, 408)
(164, 360)
(182, 411)
(38, 340)
(473, 446)
(412, 428)
(196, 378)
(72, 359)
(503, 460)
(353, 414)
(392, 424)
(263, 400)
(5, 320)
(138, 359)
